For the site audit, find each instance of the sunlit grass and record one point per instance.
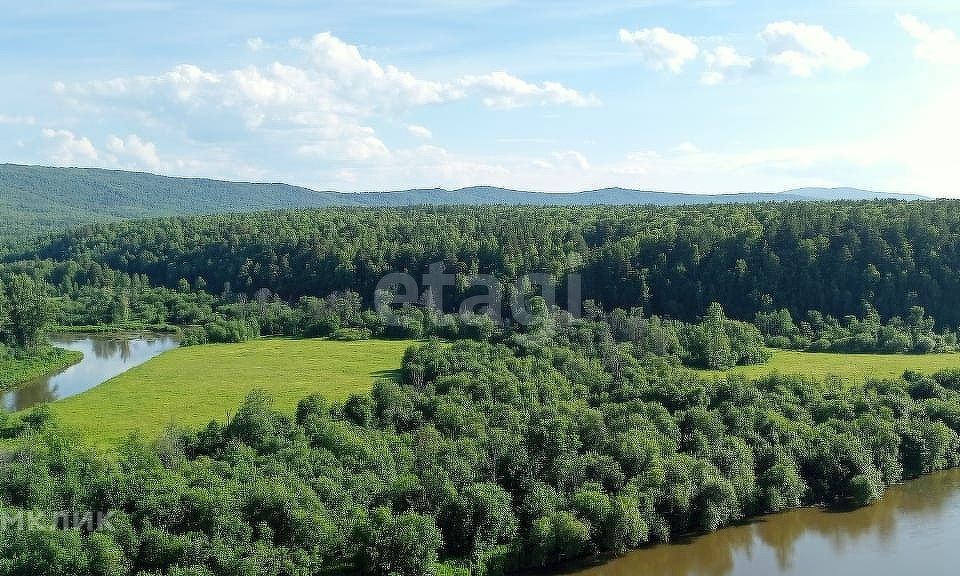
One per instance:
(191, 386)
(50, 360)
(850, 368)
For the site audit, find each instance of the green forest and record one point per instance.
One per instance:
(672, 261)
(500, 446)
(483, 458)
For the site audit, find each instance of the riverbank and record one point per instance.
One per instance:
(17, 371)
(882, 539)
(104, 357)
(117, 328)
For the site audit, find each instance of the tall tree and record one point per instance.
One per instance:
(29, 311)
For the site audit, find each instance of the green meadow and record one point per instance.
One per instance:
(850, 368)
(191, 386)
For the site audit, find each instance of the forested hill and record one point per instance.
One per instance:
(803, 256)
(35, 199)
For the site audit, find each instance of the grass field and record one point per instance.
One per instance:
(191, 386)
(851, 368)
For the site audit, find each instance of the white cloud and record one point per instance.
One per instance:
(420, 131)
(345, 143)
(799, 49)
(136, 152)
(937, 45)
(323, 107)
(345, 71)
(571, 158)
(724, 63)
(686, 148)
(804, 49)
(255, 44)
(342, 69)
(182, 84)
(661, 49)
(17, 120)
(503, 90)
(68, 149)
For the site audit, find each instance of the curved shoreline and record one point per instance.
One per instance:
(689, 553)
(15, 373)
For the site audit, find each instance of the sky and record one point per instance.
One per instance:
(705, 96)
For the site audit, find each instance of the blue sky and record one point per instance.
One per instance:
(699, 96)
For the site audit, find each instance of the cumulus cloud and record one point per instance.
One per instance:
(132, 152)
(803, 49)
(724, 63)
(420, 131)
(325, 105)
(136, 152)
(571, 158)
(796, 48)
(799, 49)
(660, 48)
(345, 142)
(345, 70)
(342, 69)
(503, 90)
(937, 45)
(68, 149)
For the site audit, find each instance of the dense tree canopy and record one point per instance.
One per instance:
(501, 447)
(481, 458)
(829, 257)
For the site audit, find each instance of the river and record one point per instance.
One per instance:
(914, 529)
(104, 356)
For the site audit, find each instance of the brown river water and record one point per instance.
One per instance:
(913, 530)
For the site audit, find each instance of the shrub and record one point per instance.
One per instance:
(351, 334)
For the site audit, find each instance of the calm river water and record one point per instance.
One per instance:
(104, 356)
(915, 529)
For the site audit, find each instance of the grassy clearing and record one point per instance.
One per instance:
(16, 371)
(191, 386)
(850, 368)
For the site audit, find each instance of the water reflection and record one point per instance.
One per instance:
(914, 528)
(103, 358)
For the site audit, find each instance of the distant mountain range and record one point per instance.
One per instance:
(38, 199)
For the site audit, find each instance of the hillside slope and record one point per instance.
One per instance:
(36, 199)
